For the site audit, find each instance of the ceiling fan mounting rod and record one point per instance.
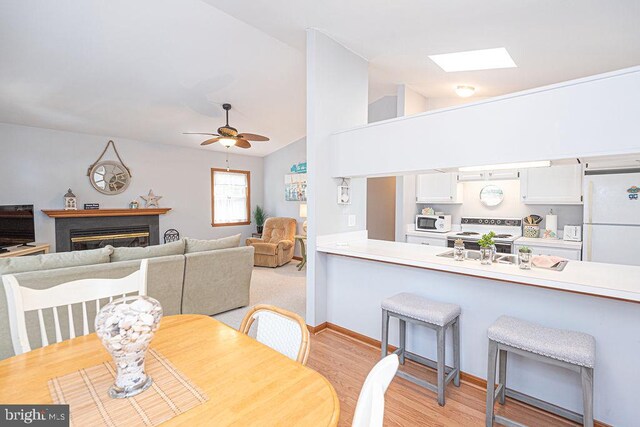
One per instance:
(227, 107)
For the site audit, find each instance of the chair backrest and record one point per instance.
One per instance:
(370, 407)
(279, 228)
(21, 300)
(282, 330)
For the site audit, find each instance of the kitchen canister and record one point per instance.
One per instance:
(531, 230)
(551, 226)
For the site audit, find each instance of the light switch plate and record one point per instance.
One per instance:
(352, 221)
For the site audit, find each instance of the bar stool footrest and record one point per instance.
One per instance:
(545, 406)
(450, 372)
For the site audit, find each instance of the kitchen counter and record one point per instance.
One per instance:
(594, 298)
(552, 243)
(430, 234)
(590, 278)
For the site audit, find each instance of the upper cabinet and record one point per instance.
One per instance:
(488, 175)
(555, 185)
(438, 188)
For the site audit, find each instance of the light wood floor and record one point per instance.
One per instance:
(345, 362)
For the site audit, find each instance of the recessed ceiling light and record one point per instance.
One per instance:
(465, 91)
(485, 59)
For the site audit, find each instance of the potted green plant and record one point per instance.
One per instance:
(524, 258)
(487, 245)
(259, 216)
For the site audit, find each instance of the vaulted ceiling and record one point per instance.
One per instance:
(152, 69)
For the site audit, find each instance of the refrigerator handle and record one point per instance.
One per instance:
(590, 202)
(588, 240)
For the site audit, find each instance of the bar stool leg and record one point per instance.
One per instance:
(502, 375)
(403, 339)
(441, 365)
(491, 381)
(587, 395)
(456, 351)
(385, 333)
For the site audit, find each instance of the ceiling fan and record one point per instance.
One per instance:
(229, 136)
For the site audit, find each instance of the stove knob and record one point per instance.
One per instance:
(465, 220)
(493, 221)
(486, 221)
(499, 222)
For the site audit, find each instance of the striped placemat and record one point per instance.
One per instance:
(86, 393)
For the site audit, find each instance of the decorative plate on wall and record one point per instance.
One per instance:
(491, 195)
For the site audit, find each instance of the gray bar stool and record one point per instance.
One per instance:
(568, 349)
(435, 315)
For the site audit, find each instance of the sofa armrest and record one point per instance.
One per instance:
(265, 248)
(250, 241)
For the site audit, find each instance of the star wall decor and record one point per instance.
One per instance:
(151, 200)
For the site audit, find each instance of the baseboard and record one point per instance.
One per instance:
(466, 377)
(297, 258)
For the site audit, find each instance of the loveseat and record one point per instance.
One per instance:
(186, 277)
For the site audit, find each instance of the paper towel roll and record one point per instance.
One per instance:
(551, 227)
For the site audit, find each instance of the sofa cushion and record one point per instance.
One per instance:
(54, 261)
(131, 254)
(194, 245)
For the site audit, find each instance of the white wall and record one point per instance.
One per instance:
(586, 117)
(410, 102)
(37, 166)
(511, 206)
(276, 166)
(383, 109)
(337, 95)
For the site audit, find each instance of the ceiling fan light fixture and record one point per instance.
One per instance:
(465, 91)
(227, 142)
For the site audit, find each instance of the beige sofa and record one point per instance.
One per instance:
(188, 276)
(277, 244)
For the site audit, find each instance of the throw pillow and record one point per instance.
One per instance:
(194, 245)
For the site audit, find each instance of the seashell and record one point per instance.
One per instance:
(141, 306)
(146, 319)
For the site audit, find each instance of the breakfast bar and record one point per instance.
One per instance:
(595, 298)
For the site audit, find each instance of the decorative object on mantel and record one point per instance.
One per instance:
(109, 177)
(59, 213)
(303, 214)
(260, 216)
(299, 168)
(92, 206)
(295, 187)
(151, 200)
(70, 201)
(126, 327)
(344, 192)
(134, 204)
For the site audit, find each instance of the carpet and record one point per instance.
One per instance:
(284, 287)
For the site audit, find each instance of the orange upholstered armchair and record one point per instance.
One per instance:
(277, 243)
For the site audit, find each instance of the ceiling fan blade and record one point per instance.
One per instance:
(252, 137)
(210, 141)
(199, 133)
(242, 143)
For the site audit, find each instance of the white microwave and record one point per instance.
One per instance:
(437, 223)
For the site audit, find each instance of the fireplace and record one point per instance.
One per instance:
(82, 230)
(115, 236)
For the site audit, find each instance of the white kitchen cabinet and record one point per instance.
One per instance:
(438, 188)
(555, 185)
(424, 240)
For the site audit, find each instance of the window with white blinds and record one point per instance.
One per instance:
(230, 197)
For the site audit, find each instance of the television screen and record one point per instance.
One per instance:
(16, 225)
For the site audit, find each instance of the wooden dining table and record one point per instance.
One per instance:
(247, 382)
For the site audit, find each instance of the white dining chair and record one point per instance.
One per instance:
(370, 406)
(21, 300)
(282, 330)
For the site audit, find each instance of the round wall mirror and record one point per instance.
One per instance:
(109, 177)
(491, 195)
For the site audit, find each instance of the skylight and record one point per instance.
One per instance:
(484, 59)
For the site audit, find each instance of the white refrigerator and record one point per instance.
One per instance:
(612, 217)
